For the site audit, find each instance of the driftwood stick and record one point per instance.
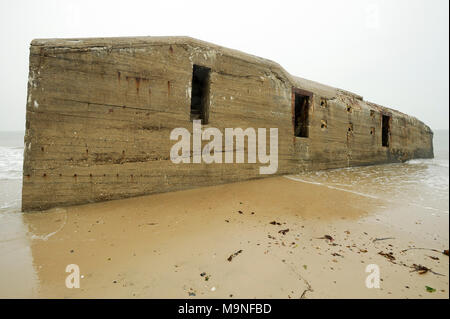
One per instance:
(377, 239)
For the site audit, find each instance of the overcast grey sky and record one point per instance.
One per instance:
(392, 52)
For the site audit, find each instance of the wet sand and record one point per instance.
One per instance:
(177, 245)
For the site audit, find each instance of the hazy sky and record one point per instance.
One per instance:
(393, 52)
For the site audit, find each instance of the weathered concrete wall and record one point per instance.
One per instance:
(100, 112)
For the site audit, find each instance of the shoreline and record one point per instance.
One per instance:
(177, 245)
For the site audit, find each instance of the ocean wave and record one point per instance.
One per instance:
(11, 162)
(420, 182)
(329, 186)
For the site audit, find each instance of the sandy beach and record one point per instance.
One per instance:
(286, 239)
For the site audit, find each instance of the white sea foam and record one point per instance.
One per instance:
(433, 161)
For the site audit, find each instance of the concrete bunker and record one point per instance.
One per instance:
(96, 137)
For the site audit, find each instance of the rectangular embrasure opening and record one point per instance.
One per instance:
(301, 114)
(385, 129)
(200, 93)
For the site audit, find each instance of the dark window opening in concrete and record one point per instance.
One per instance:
(385, 130)
(301, 114)
(200, 94)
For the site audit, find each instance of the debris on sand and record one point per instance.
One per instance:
(423, 270)
(240, 212)
(434, 258)
(384, 238)
(192, 292)
(275, 223)
(389, 255)
(234, 255)
(283, 231)
(308, 288)
(420, 269)
(148, 224)
(203, 274)
(429, 289)
(445, 252)
(327, 237)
